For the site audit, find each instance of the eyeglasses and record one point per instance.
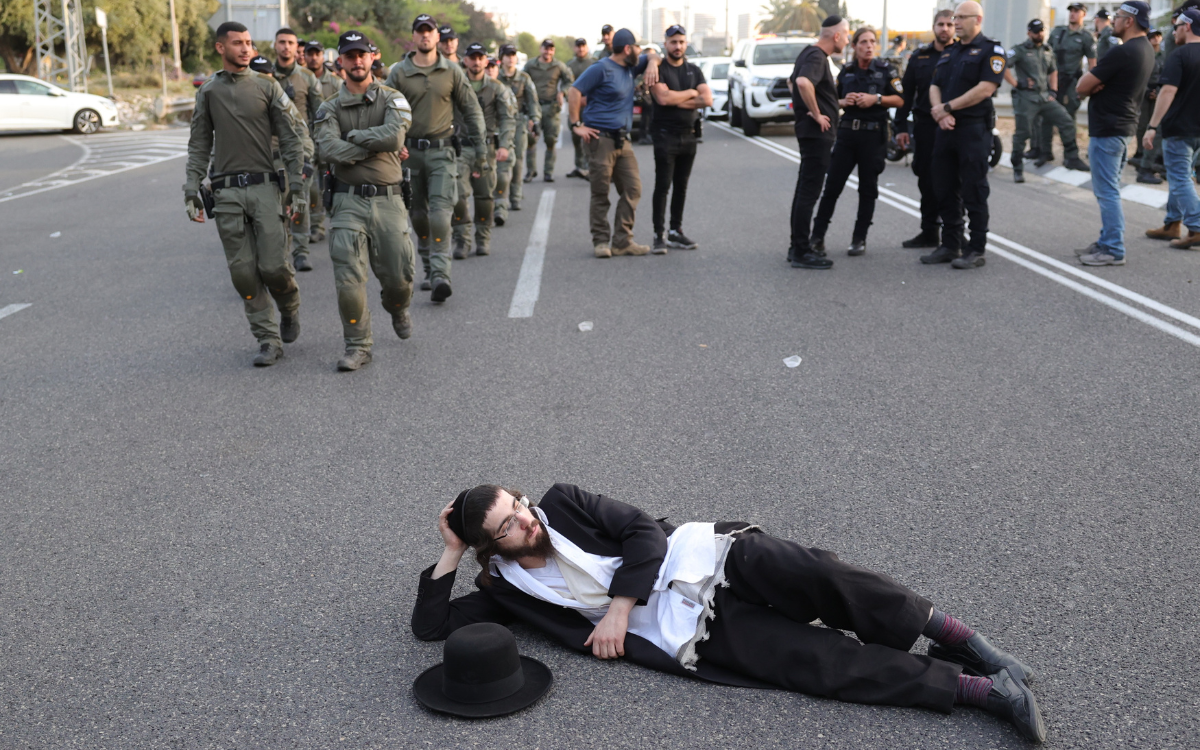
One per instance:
(676, 29)
(518, 505)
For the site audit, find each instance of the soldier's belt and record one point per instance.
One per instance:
(424, 144)
(861, 124)
(368, 191)
(242, 179)
(548, 101)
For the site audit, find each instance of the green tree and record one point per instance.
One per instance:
(792, 15)
(528, 44)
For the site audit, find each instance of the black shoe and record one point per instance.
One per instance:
(302, 263)
(425, 285)
(1018, 176)
(289, 328)
(1147, 177)
(574, 173)
(530, 175)
(585, 174)
(857, 247)
(970, 260)
(660, 245)
(924, 239)
(548, 178)
(441, 291)
(942, 255)
(1077, 164)
(499, 220)
(268, 354)
(813, 261)
(680, 241)
(1032, 153)
(402, 323)
(354, 359)
(979, 657)
(1012, 700)
(817, 246)
(1042, 161)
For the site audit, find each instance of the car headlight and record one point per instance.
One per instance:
(756, 81)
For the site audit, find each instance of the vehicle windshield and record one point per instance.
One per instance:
(720, 72)
(777, 54)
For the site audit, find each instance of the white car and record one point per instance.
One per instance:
(716, 73)
(758, 90)
(29, 104)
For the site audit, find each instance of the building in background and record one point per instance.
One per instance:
(262, 17)
(661, 19)
(705, 24)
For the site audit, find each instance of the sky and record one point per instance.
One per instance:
(545, 17)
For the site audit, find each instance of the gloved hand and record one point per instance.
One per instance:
(195, 207)
(1053, 96)
(308, 170)
(297, 200)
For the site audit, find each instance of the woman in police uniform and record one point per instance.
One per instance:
(867, 86)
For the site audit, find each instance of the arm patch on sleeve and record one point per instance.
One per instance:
(997, 64)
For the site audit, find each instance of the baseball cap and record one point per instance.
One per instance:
(580, 41)
(1191, 17)
(507, 49)
(1140, 11)
(1036, 25)
(424, 20)
(676, 29)
(353, 40)
(372, 48)
(1077, 6)
(606, 28)
(314, 46)
(547, 43)
(475, 48)
(493, 62)
(622, 38)
(447, 32)
(261, 64)
(1102, 13)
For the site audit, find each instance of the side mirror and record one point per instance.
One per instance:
(739, 63)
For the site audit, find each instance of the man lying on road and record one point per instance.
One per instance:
(723, 602)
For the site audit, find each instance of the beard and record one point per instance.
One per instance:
(542, 547)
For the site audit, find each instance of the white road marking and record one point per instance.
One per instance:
(529, 282)
(910, 207)
(10, 309)
(1147, 196)
(104, 155)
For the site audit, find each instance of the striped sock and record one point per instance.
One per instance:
(946, 630)
(973, 691)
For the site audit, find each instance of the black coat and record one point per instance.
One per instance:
(600, 526)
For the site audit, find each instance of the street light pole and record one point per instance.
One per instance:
(883, 43)
(102, 22)
(175, 42)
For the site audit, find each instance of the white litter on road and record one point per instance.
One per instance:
(56, 234)
(585, 325)
(793, 361)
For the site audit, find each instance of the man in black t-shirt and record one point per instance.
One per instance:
(1116, 85)
(814, 100)
(1177, 116)
(679, 93)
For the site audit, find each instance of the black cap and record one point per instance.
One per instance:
(547, 43)
(507, 49)
(831, 20)
(1102, 13)
(260, 64)
(1077, 6)
(1138, 10)
(580, 41)
(377, 64)
(475, 48)
(1036, 25)
(372, 48)
(622, 38)
(1190, 16)
(674, 30)
(606, 28)
(493, 62)
(314, 46)
(352, 40)
(447, 32)
(424, 20)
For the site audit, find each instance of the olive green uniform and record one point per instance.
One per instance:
(528, 111)
(328, 85)
(603, 52)
(578, 65)
(1071, 48)
(1105, 41)
(496, 102)
(549, 80)
(1035, 62)
(301, 85)
(360, 137)
(435, 93)
(235, 116)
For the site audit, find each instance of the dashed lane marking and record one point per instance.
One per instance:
(529, 282)
(10, 309)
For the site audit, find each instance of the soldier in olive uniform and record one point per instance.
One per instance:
(360, 133)
(606, 35)
(1104, 34)
(435, 88)
(497, 115)
(237, 111)
(579, 63)
(328, 83)
(504, 176)
(307, 96)
(1033, 74)
(1072, 44)
(529, 116)
(551, 79)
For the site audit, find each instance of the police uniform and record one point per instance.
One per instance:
(305, 92)
(521, 86)
(862, 142)
(360, 137)
(499, 122)
(1105, 41)
(435, 93)
(327, 85)
(549, 80)
(960, 156)
(1034, 63)
(915, 90)
(1071, 47)
(577, 65)
(235, 116)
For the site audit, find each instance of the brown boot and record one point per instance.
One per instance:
(632, 248)
(1189, 242)
(1168, 232)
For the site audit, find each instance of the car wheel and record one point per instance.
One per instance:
(750, 126)
(735, 115)
(87, 121)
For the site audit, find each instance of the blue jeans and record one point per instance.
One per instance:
(1183, 203)
(1107, 155)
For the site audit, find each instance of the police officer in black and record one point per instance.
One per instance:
(960, 99)
(915, 89)
(867, 87)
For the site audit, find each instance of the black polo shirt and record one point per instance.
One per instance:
(915, 84)
(813, 64)
(1124, 70)
(1182, 69)
(677, 78)
(962, 66)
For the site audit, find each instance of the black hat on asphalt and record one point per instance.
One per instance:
(260, 64)
(475, 48)
(424, 20)
(447, 32)
(1036, 25)
(482, 674)
(353, 40)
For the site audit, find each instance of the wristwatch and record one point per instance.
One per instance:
(946, 106)
(879, 98)
(577, 125)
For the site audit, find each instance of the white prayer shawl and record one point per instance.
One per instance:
(676, 613)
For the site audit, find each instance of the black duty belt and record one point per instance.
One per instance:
(614, 134)
(862, 124)
(424, 144)
(242, 179)
(548, 101)
(368, 191)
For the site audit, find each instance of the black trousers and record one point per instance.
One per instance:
(815, 155)
(674, 154)
(867, 150)
(777, 587)
(960, 168)
(924, 133)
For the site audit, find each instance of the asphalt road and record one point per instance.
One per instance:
(198, 553)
